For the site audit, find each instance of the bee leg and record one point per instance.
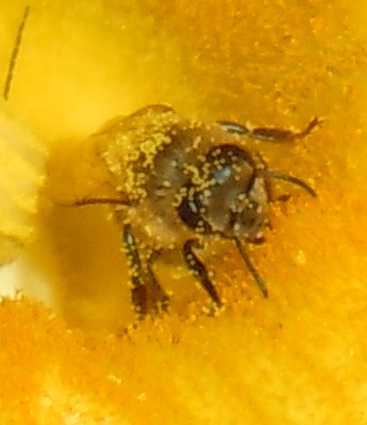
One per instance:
(198, 269)
(138, 287)
(143, 281)
(269, 134)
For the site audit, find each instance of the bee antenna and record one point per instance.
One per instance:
(255, 274)
(14, 55)
(275, 175)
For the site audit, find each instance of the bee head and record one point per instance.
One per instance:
(226, 196)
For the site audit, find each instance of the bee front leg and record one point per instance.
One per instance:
(198, 269)
(138, 286)
(144, 286)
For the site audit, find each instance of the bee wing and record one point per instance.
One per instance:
(144, 117)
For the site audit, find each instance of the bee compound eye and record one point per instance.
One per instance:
(189, 213)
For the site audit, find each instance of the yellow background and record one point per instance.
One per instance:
(297, 358)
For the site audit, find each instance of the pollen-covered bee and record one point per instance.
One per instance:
(180, 182)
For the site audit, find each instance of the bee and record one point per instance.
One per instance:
(179, 183)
